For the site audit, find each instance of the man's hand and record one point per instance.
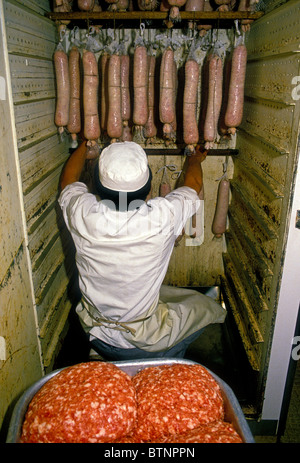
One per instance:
(201, 152)
(194, 175)
(93, 150)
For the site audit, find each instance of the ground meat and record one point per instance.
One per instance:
(88, 402)
(173, 399)
(131, 439)
(218, 432)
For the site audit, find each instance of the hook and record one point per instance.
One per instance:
(142, 29)
(172, 168)
(62, 34)
(224, 170)
(236, 23)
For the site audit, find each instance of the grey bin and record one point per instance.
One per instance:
(233, 411)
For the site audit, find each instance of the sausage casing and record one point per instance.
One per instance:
(140, 86)
(62, 88)
(190, 126)
(234, 112)
(74, 124)
(114, 120)
(90, 96)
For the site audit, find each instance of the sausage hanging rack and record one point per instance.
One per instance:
(137, 17)
(180, 152)
(214, 16)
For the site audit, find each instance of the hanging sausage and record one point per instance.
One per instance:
(194, 5)
(219, 223)
(114, 118)
(125, 98)
(190, 101)
(215, 83)
(235, 107)
(61, 66)
(150, 131)
(140, 90)
(90, 101)
(104, 61)
(74, 123)
(167, 96)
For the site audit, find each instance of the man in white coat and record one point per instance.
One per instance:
(123, 246)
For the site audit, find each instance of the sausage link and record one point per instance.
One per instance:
(203, 28)
(215, 69)
(194, 5)
(150, 127)
(223, 129)
(125, 98)
(62, 6)
(234, 112)
(104, 90)
(63, 89)
(125, 93)
(114, 120)
(90, 96)
(74, 124)
(140, 86)
(147, 5)
(247, 5)
(85, 5)
(174, 15)
(178, 3)
(190, 125)
(221, 211)
(166, 101)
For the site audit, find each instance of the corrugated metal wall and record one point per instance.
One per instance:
(263, 178)
(31, 41)
(20, 363)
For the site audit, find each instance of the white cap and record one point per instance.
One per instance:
(123, 166)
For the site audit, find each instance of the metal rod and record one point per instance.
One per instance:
(138, 15)
(180, 152)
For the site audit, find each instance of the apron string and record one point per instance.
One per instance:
(120, 326)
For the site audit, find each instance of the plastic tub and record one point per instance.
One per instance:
(233, 411)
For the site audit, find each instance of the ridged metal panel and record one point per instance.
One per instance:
(259, 267)
(272, 78)
(31, 40)
(41, 198)
(21, 42)
(29, 22)
(252, 350)
(269, 163)
(40, 6)
(270, 121)
(245, 307)
(261, 183)
(34, 122)
(20, 362)
(267, 203)
(247, 217)
(33, 79)
(32, 161)
(44, 270)
(56, 325)
(43, 235)
(276, 33)
(253, 276)
(54, 293)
